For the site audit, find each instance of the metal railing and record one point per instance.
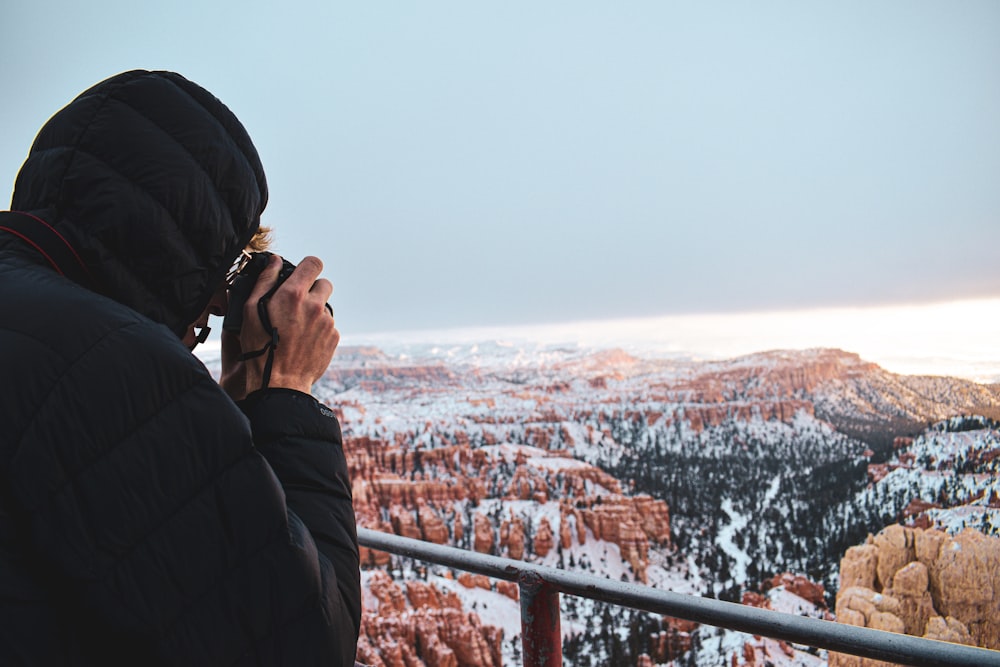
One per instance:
(541, 640)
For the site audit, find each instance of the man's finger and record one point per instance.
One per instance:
(322, 289)
(265, 281)
(305, 274)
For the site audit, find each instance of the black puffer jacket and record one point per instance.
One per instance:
(145, 518)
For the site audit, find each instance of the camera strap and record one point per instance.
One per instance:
(49, 243)
(271, 345)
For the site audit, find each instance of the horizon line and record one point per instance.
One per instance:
(910, 339)
(958, 338)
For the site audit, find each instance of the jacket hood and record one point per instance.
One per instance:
(155, 183)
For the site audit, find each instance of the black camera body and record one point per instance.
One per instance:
(243, 284)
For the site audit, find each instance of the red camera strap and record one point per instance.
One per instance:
(49, 243)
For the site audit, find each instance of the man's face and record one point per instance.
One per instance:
(216, 306)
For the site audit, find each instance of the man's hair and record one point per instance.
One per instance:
(261, 240)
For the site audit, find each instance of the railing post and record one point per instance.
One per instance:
(541, 638)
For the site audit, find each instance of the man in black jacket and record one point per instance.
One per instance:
(145, 517)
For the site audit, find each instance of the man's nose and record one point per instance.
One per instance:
(219, 303)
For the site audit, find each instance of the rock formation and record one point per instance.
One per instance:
(423, 627)
(483, 532)
(764, 652)
(500, 459)
(543, 541)
(799, 585)
(512, 538)
(923, 583)
(673, 641)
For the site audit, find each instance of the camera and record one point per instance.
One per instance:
(243, 282)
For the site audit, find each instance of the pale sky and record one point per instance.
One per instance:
(463, 164)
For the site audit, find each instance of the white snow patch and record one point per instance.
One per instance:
(737, 522)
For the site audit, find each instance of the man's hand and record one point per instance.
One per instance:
(307, 333)
(234, 375)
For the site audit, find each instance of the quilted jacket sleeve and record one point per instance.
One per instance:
(176, 539)
(301, 440)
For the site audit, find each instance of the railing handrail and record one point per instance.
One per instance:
(829, 635)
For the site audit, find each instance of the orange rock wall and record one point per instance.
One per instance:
(923, 583)
(423, 627)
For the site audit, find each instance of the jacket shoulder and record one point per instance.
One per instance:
(78, 362)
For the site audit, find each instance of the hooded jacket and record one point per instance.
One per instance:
(145, 518)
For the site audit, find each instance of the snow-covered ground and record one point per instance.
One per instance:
(932, 470)
(740, 558)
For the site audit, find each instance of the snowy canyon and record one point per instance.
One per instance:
(745, 479)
